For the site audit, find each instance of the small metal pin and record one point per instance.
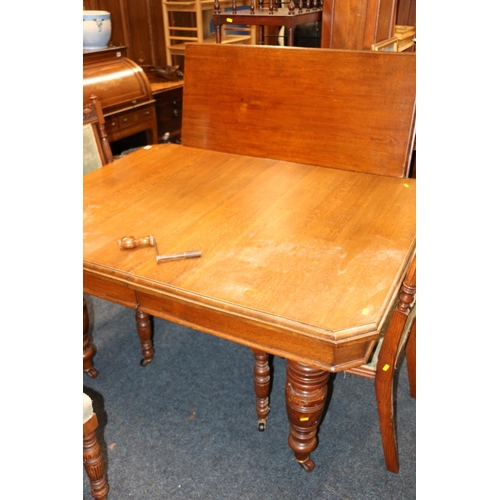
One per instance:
(175, 256)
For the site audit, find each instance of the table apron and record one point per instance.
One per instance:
(332, 356)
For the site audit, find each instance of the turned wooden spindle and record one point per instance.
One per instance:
(128, 242)
(216, 7)
(262, 384)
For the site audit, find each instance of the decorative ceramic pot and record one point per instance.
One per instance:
(96, 29)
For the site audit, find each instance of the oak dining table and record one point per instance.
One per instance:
(295, 260)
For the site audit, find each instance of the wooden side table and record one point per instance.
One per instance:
(306, 12)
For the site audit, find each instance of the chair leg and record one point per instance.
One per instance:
(411, 358)
(384, 390)
(88, 347)
(386, 365)
(92, 460)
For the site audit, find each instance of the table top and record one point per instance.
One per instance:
(316, 251)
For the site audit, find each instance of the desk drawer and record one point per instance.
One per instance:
(125, 123)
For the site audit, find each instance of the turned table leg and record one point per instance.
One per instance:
(262, 384)
(143, 321)
(306, 391)
(88, 347)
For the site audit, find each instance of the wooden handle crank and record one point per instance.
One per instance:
(128, 242)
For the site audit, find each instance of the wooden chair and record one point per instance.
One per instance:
(400, 334)
(358, 115)
(276, 14)
(92, 457)
(96, 148)
(96, 153)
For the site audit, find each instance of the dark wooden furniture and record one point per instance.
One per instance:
(307, 232)
(92, 456)
(168, 98)
(123, 91)
(302, 12)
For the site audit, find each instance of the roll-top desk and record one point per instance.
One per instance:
(124, 92)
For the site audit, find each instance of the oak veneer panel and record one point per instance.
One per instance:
(349, 110)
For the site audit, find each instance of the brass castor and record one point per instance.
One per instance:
(262, 425)
(145, 362)
(308, 465)
(92, 372)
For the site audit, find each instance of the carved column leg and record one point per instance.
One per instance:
(92, 460)
(386, 365)
(88, 347)
(143, 321)
(306, 391)
(262, 384)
